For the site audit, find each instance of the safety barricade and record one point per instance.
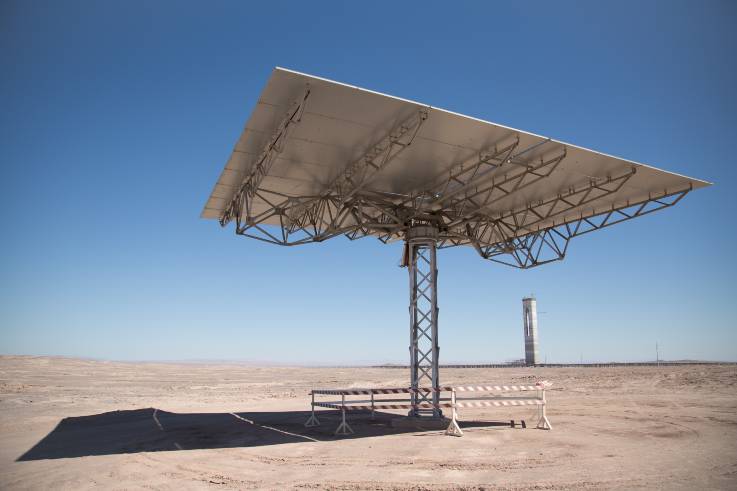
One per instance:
(497, 396)
(492, 398)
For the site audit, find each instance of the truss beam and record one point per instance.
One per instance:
(454, 209)
(542, 211)
(462, 175)
(250, 184)
(359, 173)
(551, 244)
(483, 229)
(478, 199)
(345, 207)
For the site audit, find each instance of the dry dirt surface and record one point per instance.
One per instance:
(77, 424)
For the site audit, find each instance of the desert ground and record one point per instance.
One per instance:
(77, 424)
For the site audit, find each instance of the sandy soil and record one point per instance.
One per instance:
(77, 424)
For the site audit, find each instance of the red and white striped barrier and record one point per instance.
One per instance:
(534, 402)
(408, 390)
(495, 388)
(454, 402)
(352, 407)
(363, 392)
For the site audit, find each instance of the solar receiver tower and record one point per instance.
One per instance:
(529, 312)
(320, 159)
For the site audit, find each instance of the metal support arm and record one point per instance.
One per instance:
(250, 184)
(550, 244)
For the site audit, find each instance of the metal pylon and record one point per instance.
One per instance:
(423, 314)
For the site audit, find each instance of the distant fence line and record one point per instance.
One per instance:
(578, 365)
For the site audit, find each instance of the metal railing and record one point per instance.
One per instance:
(471, 396)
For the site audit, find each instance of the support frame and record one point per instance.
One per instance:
(423, 313)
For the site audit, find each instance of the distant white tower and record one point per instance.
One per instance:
(529, 310)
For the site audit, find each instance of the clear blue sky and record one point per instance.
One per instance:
(117, 117)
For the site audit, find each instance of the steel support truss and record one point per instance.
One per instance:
(420, 257)
(550, 244)
(454, 209)
(241, 202)
(343, 208)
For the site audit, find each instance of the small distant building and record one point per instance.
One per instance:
(529, 310)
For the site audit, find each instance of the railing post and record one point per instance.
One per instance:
(343, 428)
(543, 422)
(453, 428)
(312, 421)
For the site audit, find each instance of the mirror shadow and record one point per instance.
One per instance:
(153, 430)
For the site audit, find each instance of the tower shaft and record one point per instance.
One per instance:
(423, 313)
(529, 311)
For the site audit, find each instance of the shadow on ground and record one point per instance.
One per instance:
(151, 430)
